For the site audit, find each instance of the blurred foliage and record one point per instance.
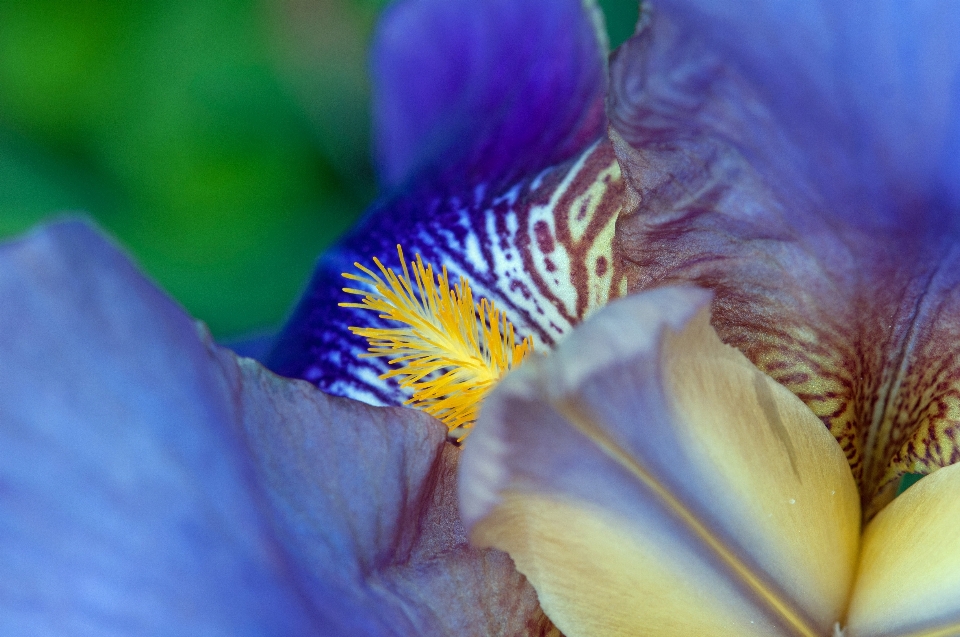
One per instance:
(621, 18)
(224, 142)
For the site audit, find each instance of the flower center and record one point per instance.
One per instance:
(447, 348)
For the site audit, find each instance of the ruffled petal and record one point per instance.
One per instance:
(776, 153)
(908, 582)
(153, 483)
(649, 480)
(488, 122)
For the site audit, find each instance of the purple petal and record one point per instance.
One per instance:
(869, 91)
(756, 170)
(153, 483)
(367, 505)
(128, 505)
(487, 116)
(498, 89)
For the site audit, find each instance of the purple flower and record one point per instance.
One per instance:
(490, 142)
(152, 483)
(800, 160)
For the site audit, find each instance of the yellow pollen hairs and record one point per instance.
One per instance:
(450, 350)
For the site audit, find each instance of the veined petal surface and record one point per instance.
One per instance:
(908, 580)
(648, 479)
(798, 160)
(490, 129)
(152, 483)
(869, 91)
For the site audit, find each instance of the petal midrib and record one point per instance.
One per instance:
(941, 631)
(587, 425)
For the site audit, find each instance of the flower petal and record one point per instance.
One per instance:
(755, 170)
(153, 483)
(367, 505)
(908, 582)
(489, 118)
(866, 90)
(500, 88)
(128, 507)
(649, 480)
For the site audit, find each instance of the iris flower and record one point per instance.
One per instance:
(660, 484)
(801, 161)
(489, 125)
(153, 483)
(650, 475)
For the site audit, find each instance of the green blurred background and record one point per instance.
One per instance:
(224, 142)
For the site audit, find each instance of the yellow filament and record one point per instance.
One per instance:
(450, 350)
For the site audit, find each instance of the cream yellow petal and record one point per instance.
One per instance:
(648, 480)
(908, 581)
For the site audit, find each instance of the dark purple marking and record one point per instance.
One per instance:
(544, 239)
